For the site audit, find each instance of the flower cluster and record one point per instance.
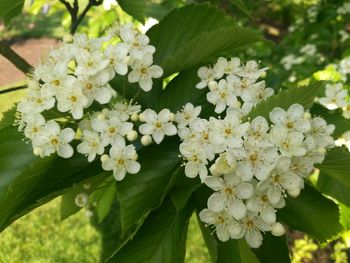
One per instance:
(75, 78)
(234, 85)
(250, 165)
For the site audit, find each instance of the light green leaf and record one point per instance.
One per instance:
(162, 238)
(141, 9)
(313, 214)
(193, 34)
(106, 196)
(10, 9)
(285, 98)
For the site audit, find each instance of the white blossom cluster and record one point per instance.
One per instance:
(73, 79)
(250, 165)
(344, 9)
(307, 51)
(234, 85)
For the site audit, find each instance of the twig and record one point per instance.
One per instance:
(14, 58)
(12, 89)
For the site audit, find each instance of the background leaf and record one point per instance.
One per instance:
(10, 9)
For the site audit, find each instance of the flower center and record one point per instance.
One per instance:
(194, 158)
(253, 157)
(54, 141)
(121, 162)
(143, 71)
(220, 220)
(228, 191)
(73, 98)
(264, 198)
(88, 86)
(158, 124)
(112, 130)
(55, 82)
(290, 125)
(249, 224)
(228, 131)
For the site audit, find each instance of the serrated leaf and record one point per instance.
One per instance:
(105, 201)
(242, 6)
(332, 117)
(313, 214)
(141, 193)
(193, 34)
(285, 98)
(162, 238)
(141, 9)
(26, 181)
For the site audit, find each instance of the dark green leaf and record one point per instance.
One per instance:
(273, 249)
(312, 213)
(285, 98)
(193, 34)
(139, 194)
(162, 238)
(141, 9)
(242, 6)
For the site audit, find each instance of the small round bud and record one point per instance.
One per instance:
(101, 116)
(87, 186)
(278, 229)
(37, 151)
(263, 74)
(81, 199)
(294, 193)
(89, 213)
(132, 135)
(172, 117)
(68, 38)
(134, 157)
(146, 140)
(127, 60)
(104, 157)
(213, 85)
(307, 115)
(141, 117)
(134, 117)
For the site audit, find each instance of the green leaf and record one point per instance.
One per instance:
(313, 214)
(273, 249)
(68, 206)
(141, 9)
(345, 216)
(162, 238)
(141, 193)
(193, 34)
(10, 9)
(27, 181)
(242, 6)
(106, 198)
(285, 98)
(332, 117)
(182, 188)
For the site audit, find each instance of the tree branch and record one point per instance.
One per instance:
(12, 89)
(14, 58)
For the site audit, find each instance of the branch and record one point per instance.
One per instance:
(14, 58)
(12, 89)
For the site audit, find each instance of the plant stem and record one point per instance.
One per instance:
(12, 89)
(14, 58)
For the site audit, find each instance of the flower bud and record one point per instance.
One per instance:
(172, 117)
(89, 213)
(141, 117)
(134, 117)
(134, 157)
(132, 135)
(294, 192)
(81, 199)
(68, 38)
(104, 157)
(87, 186)
(37, 151)
(146, 140)
(278, 229)
(213, 85)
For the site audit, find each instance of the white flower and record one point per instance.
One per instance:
(187, 115)
(281, 178)
(230, 191)
(121, 160)
(111, 128)
(224, 164)
(36, 101)
(157, 125)
(292, 119)
(143, 71)
(206, 75)
(34, 124)
(195, 160)
(228, 131)
(222, 97)
(344, 66)
(255, 161)
(289, 143)
(320, 133)
(290, 60)
(90, 63)
(226, 66)
(90, 145)
(225, 226)
(251, 70)
(51, 139)
(252, 225)
(72, 99)
(257, 132)
(124, 110)
(308, 49)
(335, 96)
(118, 57)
